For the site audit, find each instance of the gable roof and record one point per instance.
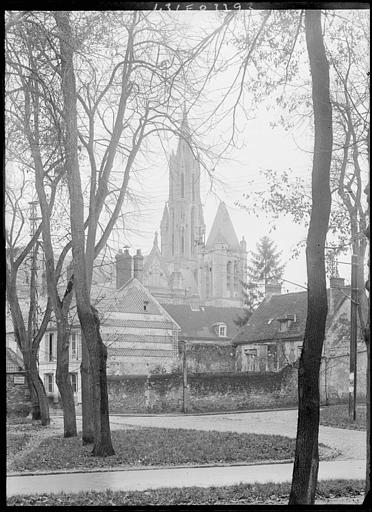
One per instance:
(223, 230)
(264, 323)
(13, 362)
(202, 322)
(131, 298)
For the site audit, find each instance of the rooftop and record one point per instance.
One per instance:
(265, 322)
(203, 321)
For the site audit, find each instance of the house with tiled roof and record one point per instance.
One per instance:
(274, 335)
(205, 324)
(139, 333)
(207, 332)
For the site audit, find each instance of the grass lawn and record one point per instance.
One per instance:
(19, 432)
(243, 494)
(338, 416)
(15, 443)
(149, 446)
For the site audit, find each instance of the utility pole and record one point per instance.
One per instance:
(353, 337)
(184, 377)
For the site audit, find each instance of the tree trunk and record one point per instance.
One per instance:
(98, 357)
(305, 471)
(86, 396)
(368, 403)
(35, 411)
(36, 388)
(367, 339)
(64, 384)
(87, 315)
(38, 385)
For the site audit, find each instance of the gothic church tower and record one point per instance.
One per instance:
(182, 227)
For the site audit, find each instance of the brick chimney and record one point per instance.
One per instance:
(272, 288)
(335, 284)
(123, 267)
(138, 265)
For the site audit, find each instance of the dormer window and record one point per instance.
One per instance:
(284, 325)
(222, 330)
(286, 322)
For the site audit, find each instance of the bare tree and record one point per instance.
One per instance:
(146, 78)
(34, 106)
(27, 338)
(305, 471)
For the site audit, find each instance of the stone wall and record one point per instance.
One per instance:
(18, 401)
(334, 377)
(202, 358)
(248, 390)
(206, 392)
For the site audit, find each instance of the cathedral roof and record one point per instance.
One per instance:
(155, 254)
(223, 230)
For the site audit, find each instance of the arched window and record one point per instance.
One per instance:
(228, 275)
(236, 276)
(196, 276)
(183, 240)
(207, 280)
(182, 185)
(192, 231)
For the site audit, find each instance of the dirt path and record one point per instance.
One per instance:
(55, 428)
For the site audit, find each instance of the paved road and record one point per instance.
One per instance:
(351, 443)
(177, 477)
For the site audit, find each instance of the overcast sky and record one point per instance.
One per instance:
(260, 147)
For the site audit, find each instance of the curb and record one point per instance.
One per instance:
(149, 468)
(330, 457)
(209, 413)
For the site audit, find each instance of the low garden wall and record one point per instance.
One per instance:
(205, 392)
(18, 402)
(202, 357)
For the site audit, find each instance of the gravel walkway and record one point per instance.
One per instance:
(350, 443)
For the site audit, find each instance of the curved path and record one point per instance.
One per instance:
(351, 443)
(349, 464)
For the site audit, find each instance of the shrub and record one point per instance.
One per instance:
(21, 409)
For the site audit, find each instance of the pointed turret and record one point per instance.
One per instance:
(223, 231)
(183, 148)
(185, 128)
(164, 219)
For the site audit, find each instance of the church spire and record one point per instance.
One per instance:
(155, 243)
(185, 128)
(182, 223)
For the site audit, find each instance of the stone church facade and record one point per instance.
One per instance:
(186, 269)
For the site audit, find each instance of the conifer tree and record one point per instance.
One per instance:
(264, 267)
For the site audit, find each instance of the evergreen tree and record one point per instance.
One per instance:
(264, 267)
